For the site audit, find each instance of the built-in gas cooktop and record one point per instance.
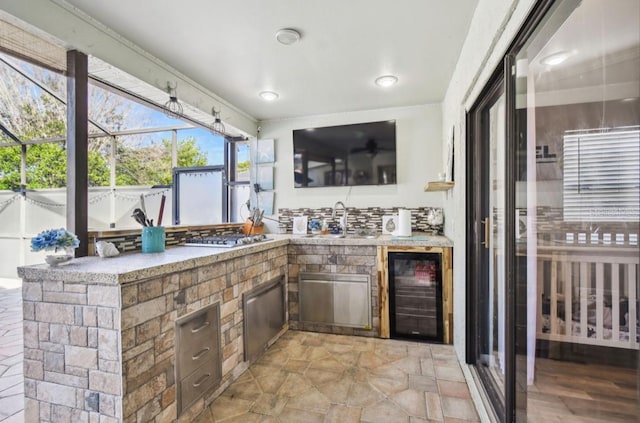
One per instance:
(225, 241)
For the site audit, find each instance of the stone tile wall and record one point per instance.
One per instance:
(349, 259)
(105, 354)
(71, 352)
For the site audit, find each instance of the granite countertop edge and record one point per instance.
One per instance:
(136, 266)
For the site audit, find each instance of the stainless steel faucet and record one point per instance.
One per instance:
(343, 219)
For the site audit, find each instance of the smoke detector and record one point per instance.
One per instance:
(287, 36)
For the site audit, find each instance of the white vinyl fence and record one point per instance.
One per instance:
(22, 217)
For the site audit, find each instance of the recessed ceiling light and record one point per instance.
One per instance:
(287, 36)
(555, 58)
(386, 80)
(269, 95)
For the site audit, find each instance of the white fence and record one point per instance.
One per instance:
(22, 217)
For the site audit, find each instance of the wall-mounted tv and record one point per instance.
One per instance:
(345, 155)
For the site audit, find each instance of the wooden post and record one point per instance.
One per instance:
(447, 295)
(383, 292)
(77, 148)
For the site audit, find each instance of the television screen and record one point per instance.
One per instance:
(344, 155)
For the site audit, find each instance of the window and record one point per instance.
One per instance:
(602, 175)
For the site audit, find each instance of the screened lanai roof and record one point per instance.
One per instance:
(50, 54)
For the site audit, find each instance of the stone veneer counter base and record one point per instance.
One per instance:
(99, 333)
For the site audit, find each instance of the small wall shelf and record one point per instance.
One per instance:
(439, 186)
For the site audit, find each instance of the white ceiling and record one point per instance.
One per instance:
(229, 47)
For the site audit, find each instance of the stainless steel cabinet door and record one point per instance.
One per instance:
(316, 301)
(351, 304)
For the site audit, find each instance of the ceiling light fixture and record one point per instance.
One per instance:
(217, 127)
(555, 58)
(287, 36)
(386, 80)
(269, 95)
(173, 107)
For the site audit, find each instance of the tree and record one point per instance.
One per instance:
(30, 113)
(151, 164)
(243, 166)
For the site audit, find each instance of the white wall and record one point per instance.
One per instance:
(419, 159)
(494, 25)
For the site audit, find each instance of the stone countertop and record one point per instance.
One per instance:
(135, 266)
(130, 267)
(418, 239)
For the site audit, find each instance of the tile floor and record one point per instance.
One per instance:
(311, 377)
(304, 377)
(11, 381)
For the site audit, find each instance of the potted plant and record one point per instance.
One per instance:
(60, 241)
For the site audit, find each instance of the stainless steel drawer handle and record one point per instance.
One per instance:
(199, 328)
(201, 380)
(200, 354)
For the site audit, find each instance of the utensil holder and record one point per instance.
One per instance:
(153, 239)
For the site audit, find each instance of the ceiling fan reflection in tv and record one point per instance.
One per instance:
(371, 148)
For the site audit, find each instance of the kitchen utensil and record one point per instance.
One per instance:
(161, 212)
(139, 216)
(258, 220)
(142, 206)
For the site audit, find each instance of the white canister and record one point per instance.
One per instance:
(404, 223)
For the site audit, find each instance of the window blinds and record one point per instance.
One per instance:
(602, 175)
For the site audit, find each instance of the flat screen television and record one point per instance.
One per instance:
(345, 155)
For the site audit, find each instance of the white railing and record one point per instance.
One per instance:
(588, 295)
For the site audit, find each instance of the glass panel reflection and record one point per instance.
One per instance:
(578, 200)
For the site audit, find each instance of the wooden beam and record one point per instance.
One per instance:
(77, 148)
(383, 292)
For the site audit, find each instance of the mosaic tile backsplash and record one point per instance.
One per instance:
(174, 236)
(361, 218)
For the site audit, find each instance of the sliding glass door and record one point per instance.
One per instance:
(577, 89)
(487, 281)
(553, 202)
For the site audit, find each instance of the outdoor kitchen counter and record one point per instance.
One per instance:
(131, 267)
(99, 333)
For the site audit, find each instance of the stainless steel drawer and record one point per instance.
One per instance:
(196, 328)
(194, 355)
(194, 385)
(197, 339)
(198, 356)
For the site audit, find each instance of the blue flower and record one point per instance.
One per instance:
(53, 239)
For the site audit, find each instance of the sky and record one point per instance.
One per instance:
(140, 116)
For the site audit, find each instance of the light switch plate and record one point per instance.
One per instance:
(300, 225)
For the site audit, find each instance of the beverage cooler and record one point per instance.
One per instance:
(415, 296)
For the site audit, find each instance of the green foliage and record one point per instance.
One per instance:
(151, 164)
(46, 167)
(32, 114)
(243, 166)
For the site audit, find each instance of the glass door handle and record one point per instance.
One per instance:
(487, 232)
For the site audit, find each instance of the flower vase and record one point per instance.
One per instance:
(60, 255)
